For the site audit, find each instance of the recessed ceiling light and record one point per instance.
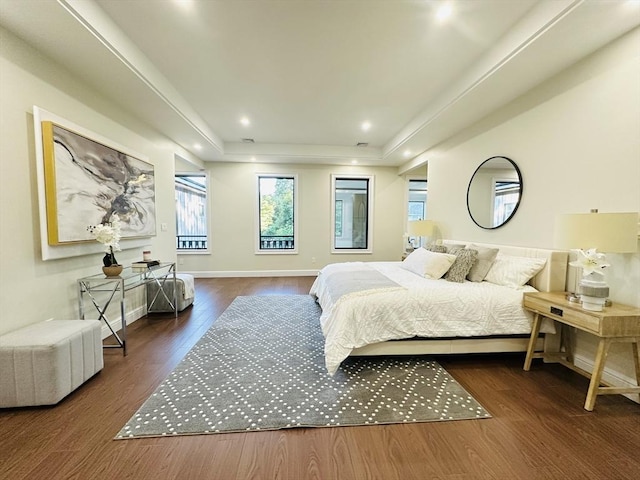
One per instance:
(366, 126)
(245, 121)
(197, 146)
(444, 12)
(253, 159)
(354, 161)
(406, 153)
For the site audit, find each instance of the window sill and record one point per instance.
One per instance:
(352, 252)
(276, 252)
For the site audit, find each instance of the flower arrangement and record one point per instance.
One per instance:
(109, 235)
(590, 262)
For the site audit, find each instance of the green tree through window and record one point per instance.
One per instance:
(277, 195)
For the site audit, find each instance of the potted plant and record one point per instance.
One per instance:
(109, 235)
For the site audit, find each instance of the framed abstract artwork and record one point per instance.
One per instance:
(86, 183)
(84, 180)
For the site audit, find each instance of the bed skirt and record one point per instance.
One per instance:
(452, 345)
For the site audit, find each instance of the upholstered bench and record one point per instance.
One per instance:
(42, 363)
(185, 294)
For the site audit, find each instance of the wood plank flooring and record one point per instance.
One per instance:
(538, 430)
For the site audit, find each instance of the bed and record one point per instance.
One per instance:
(387, 308)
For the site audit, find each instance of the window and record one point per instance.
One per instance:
(417, 207)
(351, 213)
(417, 200)
(191, 212)
(277, 214)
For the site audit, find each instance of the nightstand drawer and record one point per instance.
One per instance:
(563, 313)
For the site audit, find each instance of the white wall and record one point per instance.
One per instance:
(576, 139)
(233, 220)
(30, 288)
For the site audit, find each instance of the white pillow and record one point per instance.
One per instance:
(428, 264)
(514, 271)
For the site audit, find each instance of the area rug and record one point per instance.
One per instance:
(261, 367)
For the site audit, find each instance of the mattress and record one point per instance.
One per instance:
(411, 306)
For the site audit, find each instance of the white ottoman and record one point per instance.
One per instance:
(185, 294)
(42, 363)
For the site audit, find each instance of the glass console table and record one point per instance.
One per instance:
(101, 291)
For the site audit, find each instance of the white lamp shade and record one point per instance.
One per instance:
(607, 232)
(421, 228)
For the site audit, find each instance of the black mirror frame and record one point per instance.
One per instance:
(515, 209)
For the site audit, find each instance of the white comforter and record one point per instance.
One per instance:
(413, 306)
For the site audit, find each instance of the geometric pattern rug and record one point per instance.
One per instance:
(261, 367)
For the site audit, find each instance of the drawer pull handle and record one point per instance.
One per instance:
(556, 311)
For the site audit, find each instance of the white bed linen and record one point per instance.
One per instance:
(418, 307)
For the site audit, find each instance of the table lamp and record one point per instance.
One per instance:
(421, 228)
(586, 233)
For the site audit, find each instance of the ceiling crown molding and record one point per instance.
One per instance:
(541, 18)
(93, 18)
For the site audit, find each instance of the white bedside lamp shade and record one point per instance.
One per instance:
(605, 232)
(421, 228)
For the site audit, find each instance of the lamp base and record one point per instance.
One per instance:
(572, 297)
(593, 292)
(594, 304)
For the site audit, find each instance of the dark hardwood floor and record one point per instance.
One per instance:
(538, 430)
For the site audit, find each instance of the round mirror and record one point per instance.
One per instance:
(494, 192)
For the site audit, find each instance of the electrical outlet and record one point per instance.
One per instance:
(313, 259)
(163, 227)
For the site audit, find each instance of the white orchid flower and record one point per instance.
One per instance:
(590, 262)
(108, 234)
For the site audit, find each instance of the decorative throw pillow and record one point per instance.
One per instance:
(414, 262)
(452, 248)
(486, 257)
(461, 266)
(428, 264)
(436, 248)
(514, 271)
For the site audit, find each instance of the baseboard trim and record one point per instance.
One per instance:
(253, 273)
(611, 376)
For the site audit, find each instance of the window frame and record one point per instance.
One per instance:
(296, 237)
(370, 210)
(207, 214)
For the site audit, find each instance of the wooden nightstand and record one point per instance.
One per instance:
(618, 323)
